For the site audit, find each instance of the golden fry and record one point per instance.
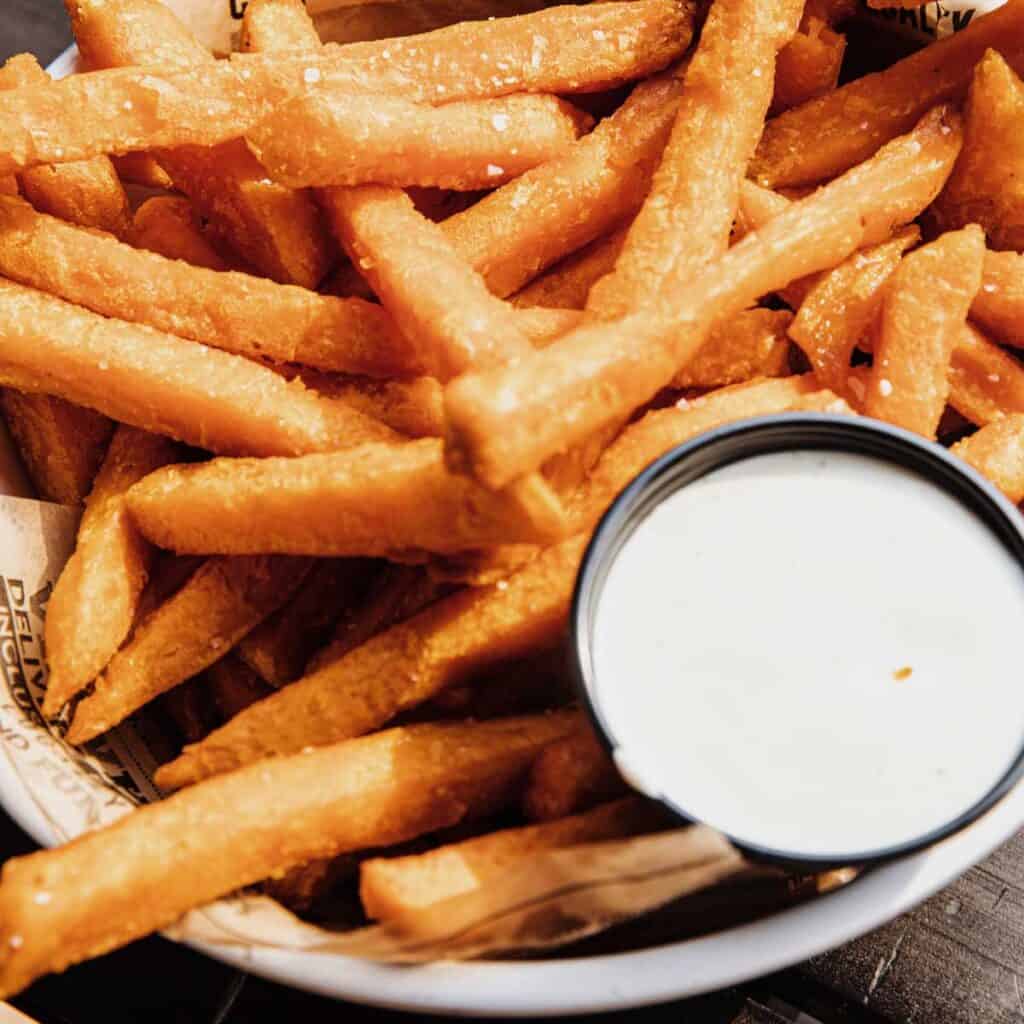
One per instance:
(158, 382)
(232, 311)
(997, 452)
(95, 600)
(985, 383)
(122, 882)
(274, 229)
(224, 600)
(831, 134)
(413, 406)
(547, 400)
(999, 304)
(141, 169)
(517, 231)
(170, 227)
(599, 45)
(808, 65)
(273, 26)
(727, 87)
(388, 886)
(354, 503)
(922, 317)
(233, 686)
(570, 776)
(388, 140)
(280, 647)
(567, 284)
(987, 184)
(396, 670)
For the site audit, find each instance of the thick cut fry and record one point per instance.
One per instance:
(727, 88)
(997, 452)
(808, 65)
(109, 887)
(233, 686)
(170, 227)
(985, 382)
(95, 600)
(232, 311)
(598, 45)
(752, 344)
(831, 134)
(224, 600)
(987, 184)
(999, 304)
(273, 26)
(571, 775)
(279, 648)
(388, 886)
(838, 312)
(276, 230)
(395, 670)
(141, 169)
(516, 232)
(388, 140)
(345, 504)
(567, 284)
(61, 445)
(158, 382)
(922, 317)
(592, 377)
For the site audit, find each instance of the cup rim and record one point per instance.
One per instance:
(763, 435)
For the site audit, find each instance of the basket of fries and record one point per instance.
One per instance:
(327, 336)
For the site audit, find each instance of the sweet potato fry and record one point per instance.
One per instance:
(390, 885)
(598, 45)
(395, 670)
(590, 190)
(387, 140)
(997, 452)
(233, 686)
(274, 229)
(158, 382)
(727, 88)
(354, 503)
(224, 600)
(999, 304)
(571, 775)
(117, 884)
(839, 310)
(808, 65)
(985, 382)
(232, 311)
(567, 284)
(548, 399)
(831, 134)
(987, 183)
(751, 344)
(922, 316)
(279, 648)
(95, 600)
(170, 227)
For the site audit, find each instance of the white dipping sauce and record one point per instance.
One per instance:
(750, 638)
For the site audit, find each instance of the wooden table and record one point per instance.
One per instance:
(958, 959)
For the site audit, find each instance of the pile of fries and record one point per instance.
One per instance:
(343, 402)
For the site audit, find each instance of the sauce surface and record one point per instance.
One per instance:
(816, 652)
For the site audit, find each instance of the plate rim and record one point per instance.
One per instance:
(618, 981)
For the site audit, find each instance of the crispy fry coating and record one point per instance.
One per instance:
(114, 885)
(567, 284)
(158, 382)
(999, 304)
(207, 105)
(95, 600)
(987, 184)
(922, 316)
(388, 886)
(413, 406)
(395, 670)
(274, 26)
(223, 600)
(233, 311)
(831, 134)
(141, 169)
(170, 227)
(808, 65)
(590, 190)
(997, 452)
(985, 382)
(590, 377)
(388, 140)
(354, 503)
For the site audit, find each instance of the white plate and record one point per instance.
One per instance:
(586, 985)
